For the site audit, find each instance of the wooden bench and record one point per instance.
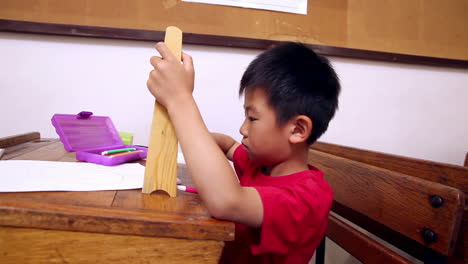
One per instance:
(415, 205)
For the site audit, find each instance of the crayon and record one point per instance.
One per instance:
(112, 151)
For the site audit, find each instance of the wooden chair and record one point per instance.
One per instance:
(414, 205)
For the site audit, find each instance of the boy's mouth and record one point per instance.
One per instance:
(245, 147)
(247, 150)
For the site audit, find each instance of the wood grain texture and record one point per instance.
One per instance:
(111, 220)
(50, 151)
(117, 212)
(447, 174)
(95, 199)
(14, 151)
(381, 231)
(408, 25)
(222, 41)
(105, 226)
(26, 245)
(359, 245)
(424, 28)
(6, 142)
(461, 248)
(395, 200)
(161, 161)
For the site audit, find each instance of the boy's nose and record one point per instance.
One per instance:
(243, 129)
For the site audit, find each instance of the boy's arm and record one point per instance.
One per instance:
(227, 144)
(172, 83)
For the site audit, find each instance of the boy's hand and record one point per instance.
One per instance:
(170, 81)
(226, 143)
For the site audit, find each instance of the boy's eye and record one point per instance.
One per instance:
(252, 118)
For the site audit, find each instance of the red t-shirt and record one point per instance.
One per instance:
(295, 217)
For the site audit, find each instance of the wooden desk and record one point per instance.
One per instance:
(104, 226)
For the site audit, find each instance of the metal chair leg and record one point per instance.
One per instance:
(320, 253)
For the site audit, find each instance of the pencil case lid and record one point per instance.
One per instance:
(84, 131)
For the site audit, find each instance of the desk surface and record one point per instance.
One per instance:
(123, 212)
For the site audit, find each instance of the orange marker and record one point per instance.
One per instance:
(125, 153)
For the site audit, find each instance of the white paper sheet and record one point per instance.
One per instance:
(289, 6)
(30, 175)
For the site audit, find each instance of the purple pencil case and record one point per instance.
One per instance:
(90, 135)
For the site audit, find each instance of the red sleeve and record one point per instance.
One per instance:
(240, 158)
(294, 215)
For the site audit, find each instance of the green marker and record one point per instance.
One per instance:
(117, 151)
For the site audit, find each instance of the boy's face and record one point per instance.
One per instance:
(263, 138)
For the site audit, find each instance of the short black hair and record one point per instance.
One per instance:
(297, 81)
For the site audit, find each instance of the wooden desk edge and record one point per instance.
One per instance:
(6, 142)
(112, 221)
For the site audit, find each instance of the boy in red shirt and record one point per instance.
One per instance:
(281, 204)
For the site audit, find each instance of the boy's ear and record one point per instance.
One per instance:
(301, 128)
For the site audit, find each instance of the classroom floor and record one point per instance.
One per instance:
(336, 255)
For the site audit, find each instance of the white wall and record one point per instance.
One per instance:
(407, 110)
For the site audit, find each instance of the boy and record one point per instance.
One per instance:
(281, 203)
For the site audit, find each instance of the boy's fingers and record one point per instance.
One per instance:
(165, 52)
(149, 82)
(154, 60)
(153, 74)
(187, 61)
